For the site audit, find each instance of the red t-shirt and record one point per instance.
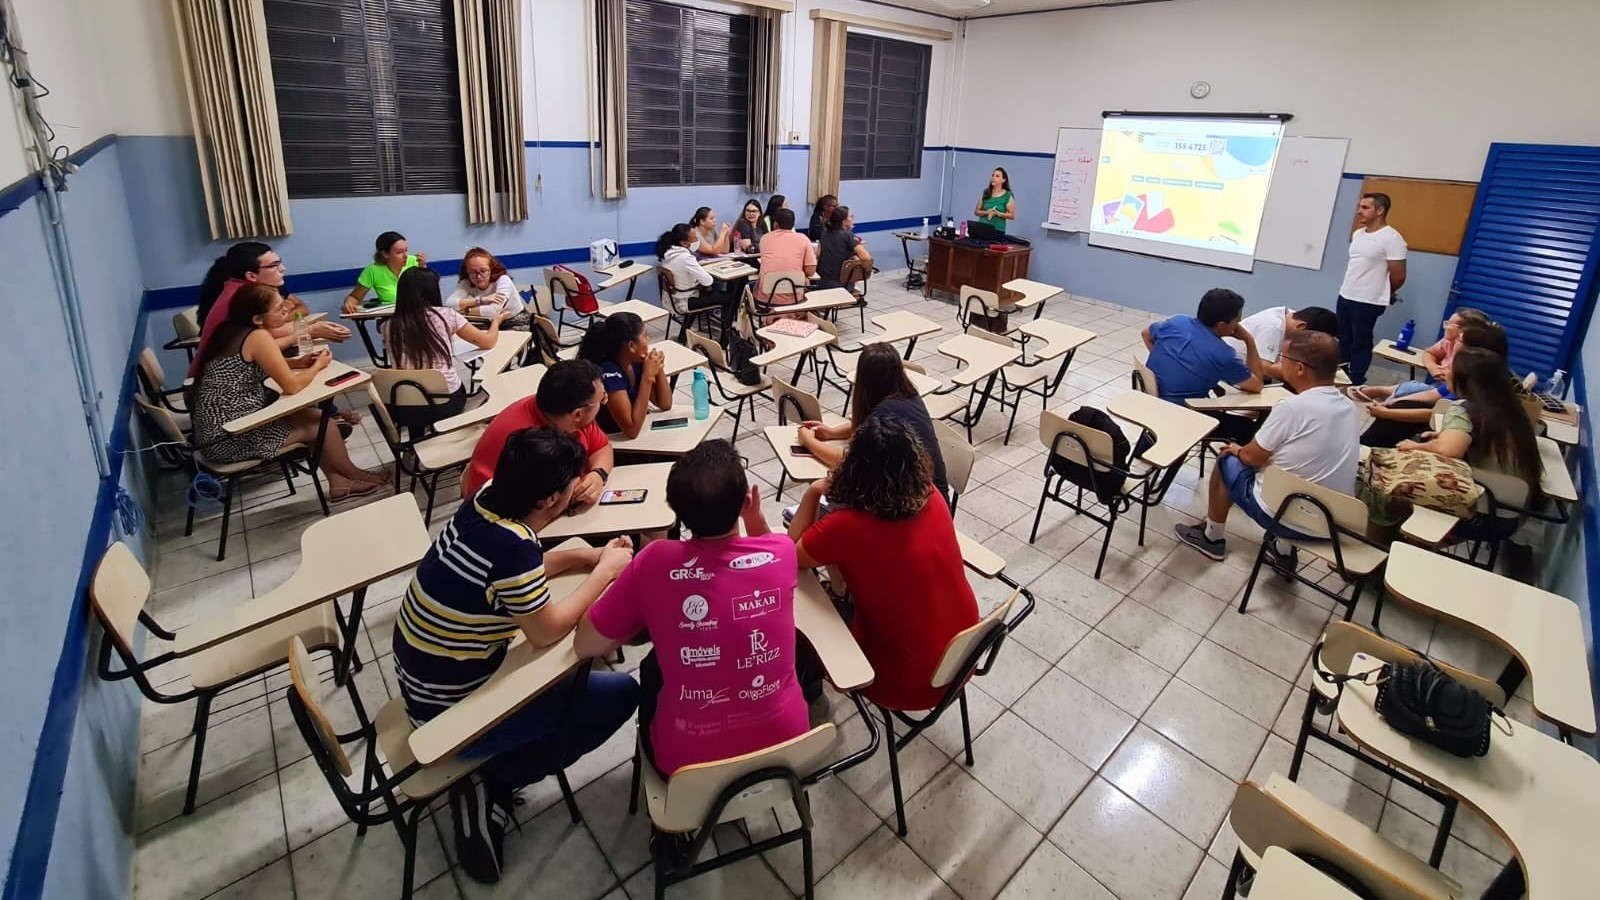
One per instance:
(514, 418)
(214, 318)
(910, 590)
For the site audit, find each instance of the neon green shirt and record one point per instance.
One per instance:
(998, 204)
(382, 280)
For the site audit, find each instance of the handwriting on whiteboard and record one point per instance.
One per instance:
(1072, 181)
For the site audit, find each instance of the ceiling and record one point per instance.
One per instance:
(969, 9)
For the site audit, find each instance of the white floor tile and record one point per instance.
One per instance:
(1124, 846)
(883, 866)
(1027, 770)
(1115, 672)
(1049, 873)
(1080, 721)
(969, 837)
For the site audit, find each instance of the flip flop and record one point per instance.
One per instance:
(357, 489)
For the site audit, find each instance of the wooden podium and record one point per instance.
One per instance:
(953, 264)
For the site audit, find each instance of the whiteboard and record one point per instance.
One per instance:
(1072, 181)
(1305, 186)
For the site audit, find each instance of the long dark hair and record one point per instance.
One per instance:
(248, 302)
(240, 260)
(385, 243)
(1005, 183)
(1501, 432)
(774, 203)
(604, 340)
(412, 340)
(823, 203)
(699, 216)
(880, 376)
(672, 237)
(838, 217)
(886, 472)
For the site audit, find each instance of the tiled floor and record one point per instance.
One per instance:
(1108, 738)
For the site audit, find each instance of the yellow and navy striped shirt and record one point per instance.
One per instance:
(455, 620)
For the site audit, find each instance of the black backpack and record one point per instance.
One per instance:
(1107, 486)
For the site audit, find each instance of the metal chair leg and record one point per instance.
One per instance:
(966, 726)
(894, 773)
(566, 794)
(228, 487)
(202, 715)
(633, 793)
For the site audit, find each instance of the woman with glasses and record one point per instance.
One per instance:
(750, 227)
(486, 290)
(251, 262)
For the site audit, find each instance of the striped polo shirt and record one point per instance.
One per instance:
(455, 620)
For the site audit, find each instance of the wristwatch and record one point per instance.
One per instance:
(605, 476)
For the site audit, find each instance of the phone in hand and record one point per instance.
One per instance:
(629, 495)
(346, 378)
(674, 422)
(801, 450)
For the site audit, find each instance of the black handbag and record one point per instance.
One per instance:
(740, 351)
(1420, 700)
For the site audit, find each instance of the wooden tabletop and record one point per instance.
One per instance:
(1233, 398)
(503, 389)
(730, 270)
(621, 275)
(979, 558)
(622, 518)
(820, 300)
(313, 394)
(1033, 292)
(649, 312)
(804, 469)
(1543, 630)
(816, 618)
(1058, 337)
(1409, 357)
(670, 441)
(785, 346)
(910, 235)
(338, 554)
(1555, 480)
(900, 325)
(678, 358)
(1284, 876)
(1177, 429)
(504, 352)
(1427, 526)
(381, 311)
(1538, 793)
(980, 358)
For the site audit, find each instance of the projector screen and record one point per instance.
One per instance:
(1184, 188)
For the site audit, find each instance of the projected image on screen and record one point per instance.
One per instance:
(1190, 189)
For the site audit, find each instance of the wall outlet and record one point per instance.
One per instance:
(794, 137)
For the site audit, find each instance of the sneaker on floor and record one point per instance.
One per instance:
(1285, 564)
(480, 829)
(1195, 536)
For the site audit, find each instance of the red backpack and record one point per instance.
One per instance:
(583, 299)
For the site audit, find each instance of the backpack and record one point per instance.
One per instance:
(1107, 486)
(583, 299)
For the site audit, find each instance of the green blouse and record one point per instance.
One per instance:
(998, 204)
(382, 280)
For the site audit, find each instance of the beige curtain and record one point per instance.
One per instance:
(611, 28)
(827, 108)
(228, 73)
(488, 38)
(766, 62)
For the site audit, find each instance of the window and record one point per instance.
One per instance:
(688, 95)
(885, 107)
(368, 97)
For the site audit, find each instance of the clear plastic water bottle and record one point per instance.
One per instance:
(302, 335)
(1407, 331)
(924, 229)
(702, 395)
(1558, 385)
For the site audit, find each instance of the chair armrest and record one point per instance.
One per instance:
(1428, 526)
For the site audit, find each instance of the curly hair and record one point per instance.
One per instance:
(886, 472)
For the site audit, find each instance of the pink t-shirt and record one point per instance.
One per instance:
(214, 318)
(785, 251)
(721, 616)
(1445, 352)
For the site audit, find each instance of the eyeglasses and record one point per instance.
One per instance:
(477, 271)
(1294, 360)
(271, 265)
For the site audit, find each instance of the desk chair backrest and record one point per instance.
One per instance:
(186, 324)
(991, 337)
(686, 800)
(117, 593)
(322, 739)
(708, 348)
(163, 419)
(791, 283)
(959, 456)
(671, 296)
(409, 387)
(1099, 444)
(560, 280)
(542, 302)
(977, 301)
(1144, 380)
(1347, 512)
(545, 339)
(855, 269)
(963, 653)
(151, 373)
(787, 397)
(1343, 640)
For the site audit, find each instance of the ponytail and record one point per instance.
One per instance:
(670, 238)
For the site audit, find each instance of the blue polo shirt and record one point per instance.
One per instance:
(1188, 359)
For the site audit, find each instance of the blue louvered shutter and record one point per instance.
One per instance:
(1531, 249)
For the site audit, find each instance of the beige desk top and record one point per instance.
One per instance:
(1033, 292)
(505, 351)
(623, 518)
(1555, 479)
(786, 346)
(1543, 630)
(670, 441)
(678, 358)
(910, 235)
(980, 358)
(820, 300)
(979, 558)
(1270, 396)
(900, 325)
(804, 469)
(381, 311)
(1561, 432)
(1284, 876)
(1428, 526)
(337, 555)
(816, 618)
(1177, 429)
(649, 312)
(289, 404)
(1058, 337)
(1540, 794)
(503, 390)
(730, 270)
(621, 275)
(1410, 357)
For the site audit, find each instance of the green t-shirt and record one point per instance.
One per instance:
(1456, 419)
(382, 280)
(998, 204)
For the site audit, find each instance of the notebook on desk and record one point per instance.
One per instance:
(799, 328)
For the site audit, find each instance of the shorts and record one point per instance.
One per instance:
(1241, 482)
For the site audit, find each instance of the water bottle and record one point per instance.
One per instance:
(302, 335)
(702, 395)
(924, 229)
(963, 231)
(1558, 385)
(1406, 333)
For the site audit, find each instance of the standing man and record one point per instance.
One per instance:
(1377, 269)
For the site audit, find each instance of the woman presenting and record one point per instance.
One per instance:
(997, 205)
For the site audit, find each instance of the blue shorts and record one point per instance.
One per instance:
(1241, 482)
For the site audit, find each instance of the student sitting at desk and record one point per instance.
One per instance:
(882, 391)
(251, 262)
(750, 227)
(688, 276)
(730, 634)
(568, 400)
(481, 584)
(785, 250)
(1189, 358)
(774, 203)
(485, 289)
(630, 372)
(1269, 326)
(241, 355)
(839, 243)
(711, 239)
(826, 204)
(1401, 413)
(894, 545)
(420, 336)
(1313, 434)
(390, 259)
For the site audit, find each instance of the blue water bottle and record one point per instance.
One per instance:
(702, 395)
(1406, 333)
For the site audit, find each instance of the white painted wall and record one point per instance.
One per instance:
(1420, 87)
(50, 31)
(137, 47)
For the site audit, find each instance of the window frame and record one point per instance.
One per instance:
(865, 129)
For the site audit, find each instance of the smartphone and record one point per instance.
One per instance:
(631, 495)
(674, 422)
(800, 450)
(346, 378)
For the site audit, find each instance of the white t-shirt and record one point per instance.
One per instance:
(1366, 278)
(686, 271)
(1267, 328)
(502, 292)
(1314, 435)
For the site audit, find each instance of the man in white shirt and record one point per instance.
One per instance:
(1377, 269)
(1271, 325)
(1313, 434)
